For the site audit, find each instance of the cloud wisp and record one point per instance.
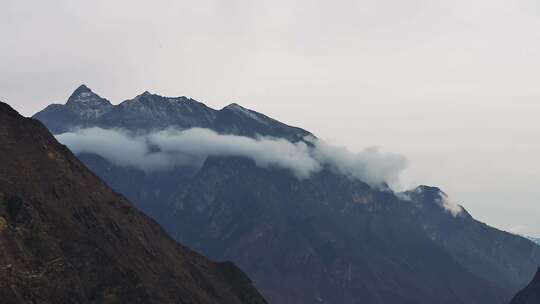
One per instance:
(164, 150)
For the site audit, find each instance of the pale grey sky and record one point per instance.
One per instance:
(452, 85)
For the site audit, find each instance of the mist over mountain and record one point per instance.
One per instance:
(305, 220)
(164, 150)
(66, 237)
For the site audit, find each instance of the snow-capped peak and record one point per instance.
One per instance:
(88, 104)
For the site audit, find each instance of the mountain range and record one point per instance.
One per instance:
(66, 237)
(328, 238)
(147, 111)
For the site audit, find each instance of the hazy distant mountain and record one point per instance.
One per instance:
(530, 294)
(66, 237)
(327, 238)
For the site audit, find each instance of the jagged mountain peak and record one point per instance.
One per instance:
(84, 95)
(82, 89)
(143, 96)
(234, 106)
(87, 105)
(237, 117)
(156, 98)
(239, 110)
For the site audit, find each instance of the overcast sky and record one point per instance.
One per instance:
(452, 85)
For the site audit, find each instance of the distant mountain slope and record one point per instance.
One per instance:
(530, 294)
(66, 237)
(327, 238)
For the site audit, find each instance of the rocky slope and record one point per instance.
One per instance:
(530, 294)
(66, 237)
(329, 238)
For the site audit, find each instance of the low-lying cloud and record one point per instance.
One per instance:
(164, 150)
(371, 165)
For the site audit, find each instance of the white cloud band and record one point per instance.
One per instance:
(166, 149)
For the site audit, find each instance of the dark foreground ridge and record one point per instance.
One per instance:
(530, 294)
(66, 237)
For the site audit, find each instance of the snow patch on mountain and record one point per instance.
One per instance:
(87, 104)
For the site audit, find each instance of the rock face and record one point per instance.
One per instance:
(328, 238)
(530, 294)
(66, 237)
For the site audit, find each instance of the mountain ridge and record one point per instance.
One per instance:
(158, 113)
